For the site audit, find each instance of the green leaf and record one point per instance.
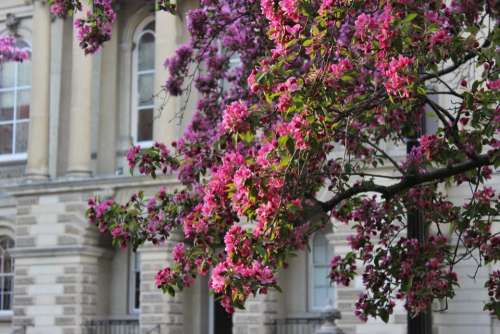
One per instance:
(307, 42)
(283, 140)
(410, 17)
(347, 78)
(247, 137)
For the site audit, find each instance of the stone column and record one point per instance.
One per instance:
(160, 313)
(79, 158)
(106, 146)
(38, 146)
(165, 127)
(259, 315)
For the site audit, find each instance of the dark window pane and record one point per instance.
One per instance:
(150, 26)
(147, 52)
(22, 131)
(6, 139)
(137, 301)
(223, 321)
(23, 104)
(145, 126)
(7, 301)
(6, 106)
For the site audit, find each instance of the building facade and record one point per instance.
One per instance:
(66, 122)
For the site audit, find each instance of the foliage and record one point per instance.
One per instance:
(324, 89)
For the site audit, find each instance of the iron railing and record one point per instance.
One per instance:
(297, 325)
(112, 326)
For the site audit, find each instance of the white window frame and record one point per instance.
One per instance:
(310, 276)
(135, 108)
(15, 90)
(134, 259)
(6, 312)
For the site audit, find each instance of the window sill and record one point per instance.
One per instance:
(145, 144)
(6, 316)
(21, 157)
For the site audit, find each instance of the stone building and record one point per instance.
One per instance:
(66, 121)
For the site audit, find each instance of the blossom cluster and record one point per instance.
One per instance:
(312, 79)
(94, 27)
(9, 51)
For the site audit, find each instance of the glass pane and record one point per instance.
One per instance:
(7, 292)
(137, 298)
(6, 139)
(6, 106)
(320, 297)
(7, 265)
(137, 263)
(146, 89)
(22, 131)
(7, 75)
(7, 301)
(320, 249)
(6, 243)
(150, 26)
(321, 277)
(147, 52)
(23, 104)
(145, 126)
(24, 73)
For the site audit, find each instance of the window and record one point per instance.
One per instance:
(321, 290)
(6, 274)
(143, 83)
(135, 282)
(15, 89)
(234, 64)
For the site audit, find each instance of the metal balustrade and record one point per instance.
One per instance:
(112, 326)
(297, 325)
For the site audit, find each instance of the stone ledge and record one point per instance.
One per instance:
(71, 185)
(61, 251)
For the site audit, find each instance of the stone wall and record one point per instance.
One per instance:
(158, 310)
(57, 264)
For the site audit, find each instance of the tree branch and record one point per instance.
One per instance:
(409, 181)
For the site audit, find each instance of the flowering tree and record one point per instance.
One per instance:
(323, 88)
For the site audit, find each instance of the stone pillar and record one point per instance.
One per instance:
(58, 263)
(159, 311)
(166, 128)
(79, 155)
(106, 145)
(38, 146)
(259, 315)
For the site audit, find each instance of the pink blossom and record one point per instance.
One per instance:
(234, 116)
(179, 252)
(494, 85)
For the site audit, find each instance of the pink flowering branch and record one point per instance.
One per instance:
(10, 52)
(410, 181)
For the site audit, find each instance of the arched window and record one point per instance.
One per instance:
(15, 89)
(321, 290)
(143, 83)
(6, 273)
